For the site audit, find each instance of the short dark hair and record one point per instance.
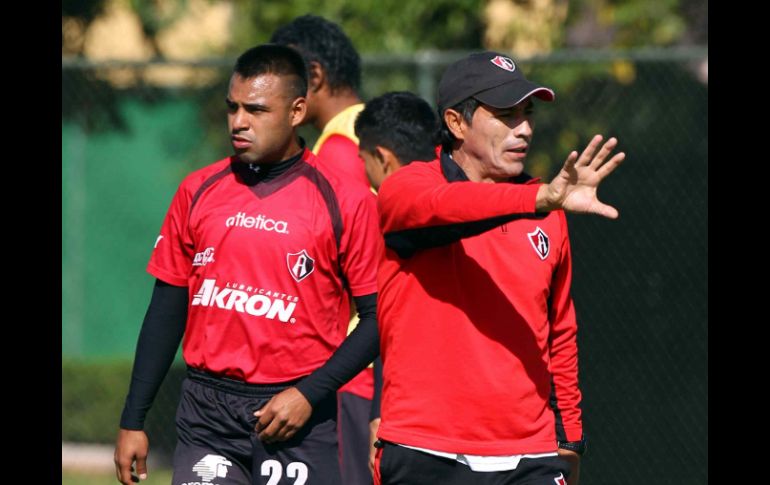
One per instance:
(466, 108)
(274, 59)
(324, 42)
(402, 122)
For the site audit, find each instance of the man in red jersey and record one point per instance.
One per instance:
(254, 264)
(477, 325)
(334, 79)
(394, 130)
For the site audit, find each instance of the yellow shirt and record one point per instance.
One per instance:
(343, 124)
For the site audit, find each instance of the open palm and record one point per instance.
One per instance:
(574, 188)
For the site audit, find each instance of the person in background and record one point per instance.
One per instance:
(333, 102)
(334, 82)
(393, 130)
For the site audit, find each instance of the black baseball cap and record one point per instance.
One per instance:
(490, 77)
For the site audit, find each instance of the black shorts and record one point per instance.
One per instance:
(217, 443)
(397, 465)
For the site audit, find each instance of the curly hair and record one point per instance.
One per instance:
(324, 42)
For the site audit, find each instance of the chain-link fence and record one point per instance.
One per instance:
(130, 132)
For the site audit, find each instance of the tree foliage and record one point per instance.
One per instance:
(636, 23)
(395, 26)
(373, 25)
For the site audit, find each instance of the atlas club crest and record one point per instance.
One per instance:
(300, 265)
(540, 242)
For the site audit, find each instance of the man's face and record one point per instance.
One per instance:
(498, 140)
(261, 117)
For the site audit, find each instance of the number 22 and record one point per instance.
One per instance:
(274, 470)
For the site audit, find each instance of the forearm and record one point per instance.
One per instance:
(425, 212)
(406, 242)
(413, 204)
(566, 396)
(563, 347)
(357, 351)
(565, 401)
(162, 330)
(544, 200)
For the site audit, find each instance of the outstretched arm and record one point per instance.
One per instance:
(420, 209)
(162, 330)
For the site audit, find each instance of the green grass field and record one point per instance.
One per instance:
(69, 477)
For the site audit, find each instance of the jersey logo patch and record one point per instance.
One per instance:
(212, 466)
(204, 257)
(560, 480)
(300, 265)
(504, 63)
(540, 242)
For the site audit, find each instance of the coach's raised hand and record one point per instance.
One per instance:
(574, 188)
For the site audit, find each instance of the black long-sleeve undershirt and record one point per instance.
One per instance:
(356, 352)
(161, 333)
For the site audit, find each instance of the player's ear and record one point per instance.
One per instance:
(455, 122)
(297, 111)
(316, 76)
(387, 160)
(379, 154)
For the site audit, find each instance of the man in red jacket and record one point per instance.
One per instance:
(477, 325)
